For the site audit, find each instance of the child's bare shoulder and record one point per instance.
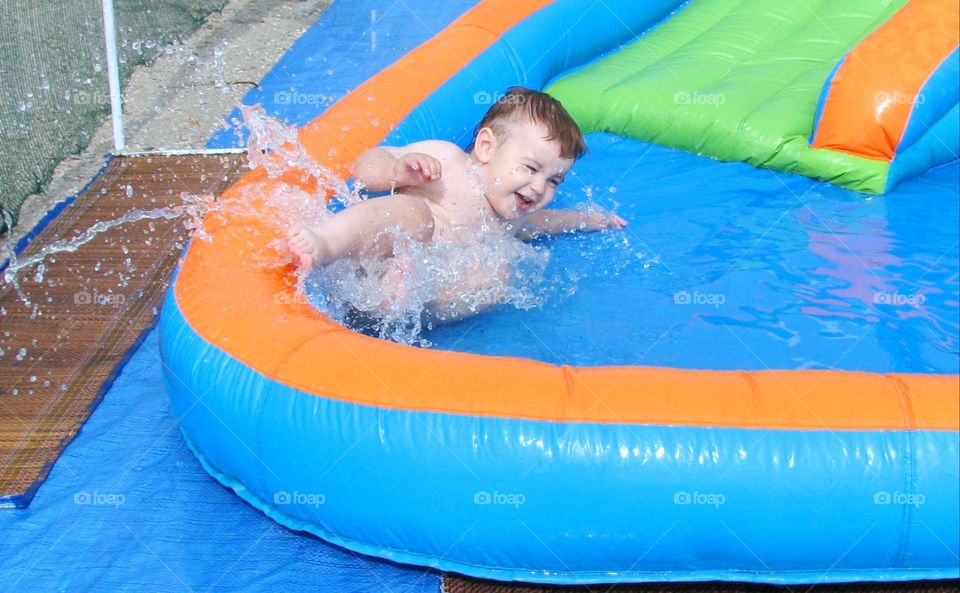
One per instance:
(439, 149)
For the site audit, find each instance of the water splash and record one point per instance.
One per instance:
(276, 147)
(426, 284)
(399, 298)
(194, 207)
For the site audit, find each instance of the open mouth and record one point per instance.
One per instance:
(523, 202)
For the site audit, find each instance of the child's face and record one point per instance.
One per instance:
(521, 173)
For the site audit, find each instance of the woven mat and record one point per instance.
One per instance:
(90, 307)
(458, 584)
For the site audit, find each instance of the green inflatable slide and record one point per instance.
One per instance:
(861, 93)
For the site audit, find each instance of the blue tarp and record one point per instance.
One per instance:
(129, 508)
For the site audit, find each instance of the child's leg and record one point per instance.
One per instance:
(361, 228)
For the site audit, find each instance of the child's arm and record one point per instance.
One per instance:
(387, 167)
(556, 222)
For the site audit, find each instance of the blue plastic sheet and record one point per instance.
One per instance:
(128, 508)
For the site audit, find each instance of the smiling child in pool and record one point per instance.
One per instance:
(522, 150)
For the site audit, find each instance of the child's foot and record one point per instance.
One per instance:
(306, 246)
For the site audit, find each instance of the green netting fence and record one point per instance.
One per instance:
(53, 77)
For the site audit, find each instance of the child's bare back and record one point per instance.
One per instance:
(440, 194)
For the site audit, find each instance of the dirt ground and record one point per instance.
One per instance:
(182, 98)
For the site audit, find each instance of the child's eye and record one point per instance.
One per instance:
(555, 182)
(531, 169)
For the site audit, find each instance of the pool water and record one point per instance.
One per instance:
(725, 266)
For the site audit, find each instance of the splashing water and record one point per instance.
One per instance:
(426, 284)
(193, 207)
(397, 298)
(277, 149)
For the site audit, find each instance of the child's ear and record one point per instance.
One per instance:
(484, 145)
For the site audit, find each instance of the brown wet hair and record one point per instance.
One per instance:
(521, 103)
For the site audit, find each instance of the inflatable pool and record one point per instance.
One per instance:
(514, 469)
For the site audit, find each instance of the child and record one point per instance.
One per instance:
(522, 150)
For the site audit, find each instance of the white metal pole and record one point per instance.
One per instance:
(113, 75)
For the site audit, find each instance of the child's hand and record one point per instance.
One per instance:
(416, 168)
(599, 220)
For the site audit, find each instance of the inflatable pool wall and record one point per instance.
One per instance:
(513, 469)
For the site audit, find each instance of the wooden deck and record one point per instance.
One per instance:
(90, 308)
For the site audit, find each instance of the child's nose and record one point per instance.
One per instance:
(538, 183)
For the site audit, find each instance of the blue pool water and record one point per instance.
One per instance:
(725, 266)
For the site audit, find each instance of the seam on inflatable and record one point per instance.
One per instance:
(824, 98)
(893, 180)
(465, 63)
(797, 26)
(257, 445)
(910, 471)
(569, 380)
(752, 384)
(906, 405)
(906, 529)
(332, 329)
(917, 105)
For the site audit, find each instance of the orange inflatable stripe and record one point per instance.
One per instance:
(874, 90)
(251, 314)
